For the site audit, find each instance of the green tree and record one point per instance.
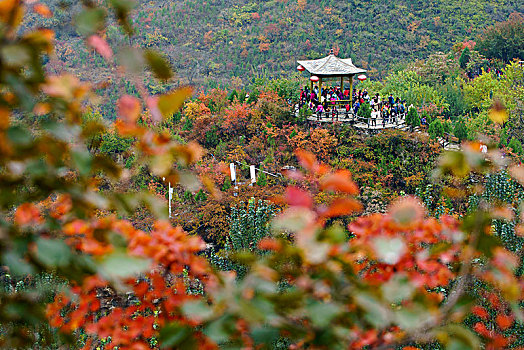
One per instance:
(262, 179)
(436, 129)
(464, 58)
(504, 39)
(412, 118)
(113, 144)
(516, 146)
(461, 131)
(364, 111)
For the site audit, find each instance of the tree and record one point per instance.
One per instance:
(504, 39)
(412, 118)
(515, 146)
(436, 129)
(262, 179)
(460, 130)
(464, 58)
(364, 111)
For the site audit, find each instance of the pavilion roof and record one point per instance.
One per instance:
(331, 66)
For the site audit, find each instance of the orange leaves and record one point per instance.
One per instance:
(66, 87)
(297, 197)
(87, 236)
(339, 181)
(307, 160)
(42, 10)
(27, 214)
(504, 321)
(269, 244)
(263, 47)
(169, 246)
(61, 206)
(480, 312)
(341, 207)
(128, 108)
(11, 12)
(101, 46)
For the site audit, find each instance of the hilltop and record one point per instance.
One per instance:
(231, 42)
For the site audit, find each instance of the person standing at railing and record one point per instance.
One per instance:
(374, 116)
(386, 113)
(356, 107)
(319, 111)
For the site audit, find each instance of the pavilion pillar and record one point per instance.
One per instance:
(320, 89)
(342, 84)
(311, 81)
(351, 91)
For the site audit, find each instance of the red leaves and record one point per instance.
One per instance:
(340, 181)
(342, 206)
(480, 312)
(297, 197)
(307, 160)
(128, 108)
(481, 329)
(269, 244)
(28, 214)
(424, 268)
(101, 46)
(504, 321)
(171, 247)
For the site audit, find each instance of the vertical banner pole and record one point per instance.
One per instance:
(233, 173)
(253, 174)
(170, 194)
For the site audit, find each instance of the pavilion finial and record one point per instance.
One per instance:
(331, 52)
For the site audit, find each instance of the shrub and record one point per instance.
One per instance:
(113, 144)
(464, 58)
(460, 130)
(364, 111)
(412, 118)
(436, 129)
(516, 146)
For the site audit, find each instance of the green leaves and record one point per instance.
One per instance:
(457, 337)
(15, 55)
(17, 265)
(197, 310)
(53, 252)
(322, 314)
(158, 65)
(90, 21)
(120, 265)
(19, 135)
(176, 335)
(389, 250)
(122, 8)
(397, 289)
(83, 161)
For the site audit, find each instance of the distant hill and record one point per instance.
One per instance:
(217, 40)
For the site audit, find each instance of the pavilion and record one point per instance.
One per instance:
(331, 67)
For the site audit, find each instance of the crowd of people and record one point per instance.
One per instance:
(332, 99)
